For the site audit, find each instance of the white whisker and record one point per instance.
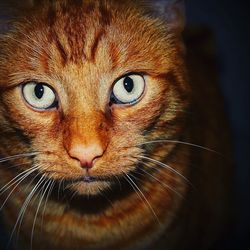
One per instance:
(15, 179)
(25, 190)
(181, 142)
(48, 182)
(166, 167)
(14, 157)
(25, 205)
(52, 184)
(162, 183)
(19, 181)
(142, 196)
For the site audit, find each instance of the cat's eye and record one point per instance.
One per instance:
(39, 95)
(128, 90)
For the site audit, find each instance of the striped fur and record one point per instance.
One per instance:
(80, 48)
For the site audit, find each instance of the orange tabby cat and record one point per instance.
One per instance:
(98, 124)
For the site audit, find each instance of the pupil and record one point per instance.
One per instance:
(128, 84)
(39, 90)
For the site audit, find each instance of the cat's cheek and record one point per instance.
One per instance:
(137, 118)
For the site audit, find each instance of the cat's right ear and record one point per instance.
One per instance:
(172, 12)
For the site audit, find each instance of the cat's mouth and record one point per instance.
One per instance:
(89, 184)
(90, 179)
(90, 194)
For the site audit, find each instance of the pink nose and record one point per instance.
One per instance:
(86, 155)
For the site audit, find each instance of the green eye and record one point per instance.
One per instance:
(128, 89)
(39, 95)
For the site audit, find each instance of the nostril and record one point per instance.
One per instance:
(87, 164)
(86, 155)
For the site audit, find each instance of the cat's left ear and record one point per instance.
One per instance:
(11, 9)
(4, 18)
(173, 12)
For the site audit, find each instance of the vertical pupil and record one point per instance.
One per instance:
(39, 90)
(128, 84)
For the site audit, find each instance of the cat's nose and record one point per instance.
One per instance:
(86, 154)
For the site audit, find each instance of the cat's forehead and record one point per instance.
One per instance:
(88, 40)
(85, 29)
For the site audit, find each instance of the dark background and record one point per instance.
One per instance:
(229, 22)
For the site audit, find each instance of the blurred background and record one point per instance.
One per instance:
(228, 22)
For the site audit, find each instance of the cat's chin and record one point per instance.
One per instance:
(91, 188)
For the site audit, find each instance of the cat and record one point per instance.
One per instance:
(106, 142)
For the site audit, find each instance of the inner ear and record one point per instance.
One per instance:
(172, 11)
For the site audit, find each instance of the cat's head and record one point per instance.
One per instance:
(85, 84)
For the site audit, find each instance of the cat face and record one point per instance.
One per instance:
(84, 86)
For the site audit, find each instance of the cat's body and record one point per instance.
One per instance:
(82, 50)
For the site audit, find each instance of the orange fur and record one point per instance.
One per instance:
(81, 49)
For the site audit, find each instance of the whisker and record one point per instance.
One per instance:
(48, 182)
(17, 165)
(118, 180)
(21, 219)
(142, 196)
(19, 181)
(166, 167)
(52, 184)
(73, 194)
(59, 189)
(24, 207)
(183, 143)
(15, 179)
(162, 183)
(14, 157)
